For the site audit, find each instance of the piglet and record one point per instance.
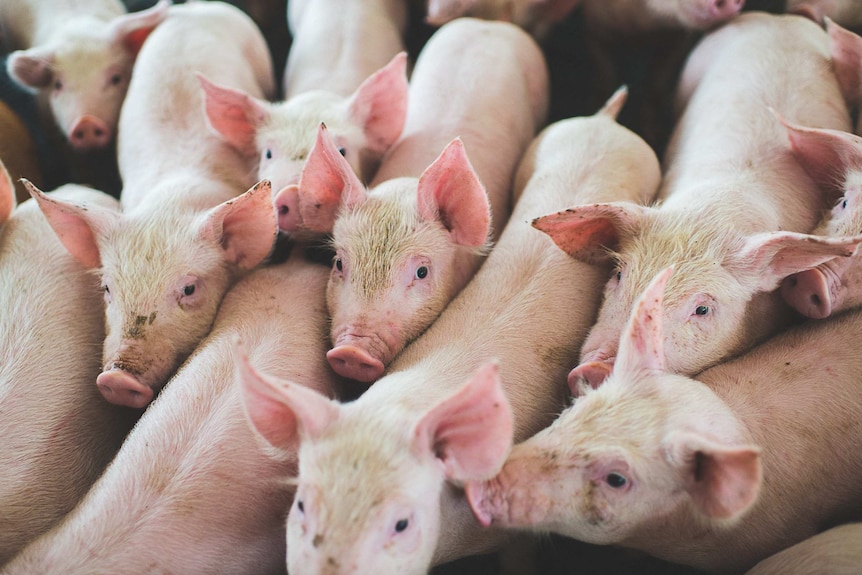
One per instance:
(408, 245)
(834, 159)
(737, 206)
(185, 235)
(193, 490)
(836, 551)
(79, 56)
(377, 490)
(715, 473)
(58, 433)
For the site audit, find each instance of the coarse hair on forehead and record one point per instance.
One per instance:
(293, 125)
(144, 256)
(697, 243)
(378, 234)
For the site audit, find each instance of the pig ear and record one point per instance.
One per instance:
(826, 155)
(234, 115)
(589, 232)
(379, 104)
(723, 480)
(768, 258)
(7, 194)
(245, 227)
(470, 432)
(327, 178)
(846, 49)
(32, 69)
(450, 191)
(130, 30)
(615, 103)
(642, 342)
(75, 226)
(283, 413)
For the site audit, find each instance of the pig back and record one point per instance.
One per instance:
(58, 432)
(162, 126)
(194, 490)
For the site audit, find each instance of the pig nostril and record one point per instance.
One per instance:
(283, 210)
(719, 4)
(79, 134)
(99, 132)
(815, 299)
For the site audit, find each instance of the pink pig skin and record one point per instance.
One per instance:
(846, 47)
(495, 83)
(837, 551)
(184, 234)
(79, 57)
(368, 32)
(640, 16)
(531, 320)
(834, 159)
(715, 473)
(57, 433)
(734, 199)
(192, 490)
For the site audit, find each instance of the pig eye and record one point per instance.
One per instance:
(189, 290)
(844, 205)
(58, 85)
(619, 276)
(701, 310)
(268, 154)
(401, 525)
(342, 151)
(616, 480)
(338, 265)
(421, 272)
(107, 290)
(116, 79)
(300, 506)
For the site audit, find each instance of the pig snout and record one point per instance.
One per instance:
(88, 133)
(809, 293)
(287, 208)
(720, 10)
(354, 362)
(122, 388)
(515, 497)
(593, 372)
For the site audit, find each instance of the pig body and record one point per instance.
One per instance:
(730, 184)
(58, 432)
(837, 551)
(631, 17)
(715, 473)
(844, 12)
(79, 55)
(537, 17)
(402, 439)
(184, 236)
(409, 245)
(193, 490)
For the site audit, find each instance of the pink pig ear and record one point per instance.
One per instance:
(130, 30)
(826, 155)
(615, 103)
(767, 258)
(642, 342)
(283, 413)
(471, 430)
(327, 180)
(589, 232)
(245, 227)
(234, 115)
(32, 69)
(846, 49)
(449, 190)
(7, 194)
(723, 480)
(379, 104)
(77, 227)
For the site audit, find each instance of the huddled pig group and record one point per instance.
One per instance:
(388, 311)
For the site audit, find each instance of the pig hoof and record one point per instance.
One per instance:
(355, 363)
(122, 388)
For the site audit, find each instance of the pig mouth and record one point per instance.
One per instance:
(361, 358)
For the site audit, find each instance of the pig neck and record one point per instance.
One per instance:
(339, 43)
(182, 479)
(783, 392)
(28, 23)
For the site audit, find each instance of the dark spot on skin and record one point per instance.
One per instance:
(318, 539)
(137, 331)
(332, 561)
(152, 318)
(317, 206)
(786, 363)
